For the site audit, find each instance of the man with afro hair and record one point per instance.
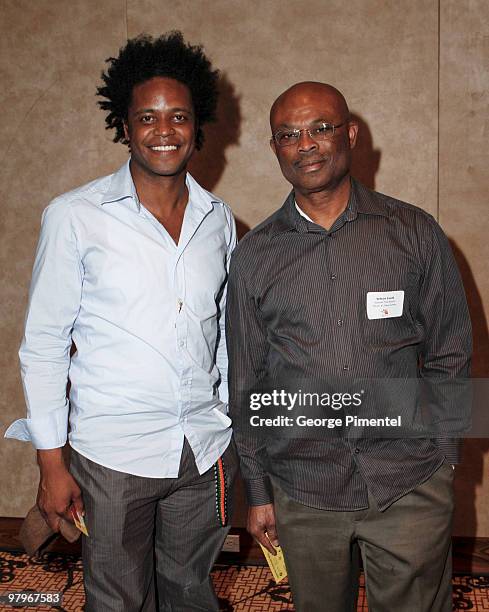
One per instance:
(131, 268)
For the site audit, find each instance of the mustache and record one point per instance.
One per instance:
(308, 161)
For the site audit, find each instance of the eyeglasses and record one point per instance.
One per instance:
(322, 131)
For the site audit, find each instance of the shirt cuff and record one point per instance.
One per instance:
(50, 431)
(451, 448)
(259, 491)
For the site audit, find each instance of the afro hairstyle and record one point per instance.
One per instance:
(144, 58)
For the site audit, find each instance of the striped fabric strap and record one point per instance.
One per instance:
(221, 500)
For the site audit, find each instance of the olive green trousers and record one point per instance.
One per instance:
(405, 550)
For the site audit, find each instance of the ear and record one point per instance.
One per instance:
(352, 133)
(126, 131)
(273, 146)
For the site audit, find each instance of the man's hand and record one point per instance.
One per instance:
(261, 525)
(57, 488)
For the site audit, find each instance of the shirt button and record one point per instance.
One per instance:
(333, 277)
(346, 366)
(357, 450)
(340, 322)
(181, 343)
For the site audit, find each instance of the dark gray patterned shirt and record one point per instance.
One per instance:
(296, 308)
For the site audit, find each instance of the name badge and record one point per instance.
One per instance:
(384, 304)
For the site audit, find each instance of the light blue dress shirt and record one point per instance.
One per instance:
(147, 318)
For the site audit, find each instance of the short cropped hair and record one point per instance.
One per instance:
(144, 58)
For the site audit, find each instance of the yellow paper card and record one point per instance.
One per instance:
(276, 563)
(79, 521)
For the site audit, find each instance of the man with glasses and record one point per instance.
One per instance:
(306, 301)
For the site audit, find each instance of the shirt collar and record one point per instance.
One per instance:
(122, 188)
(199, 197)
(365, 201)
(362, 201)
(301, 212)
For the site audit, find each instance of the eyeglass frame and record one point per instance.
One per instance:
(308, 130)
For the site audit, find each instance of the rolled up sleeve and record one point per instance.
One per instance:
(54, 303)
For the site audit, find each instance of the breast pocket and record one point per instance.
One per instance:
(388, 308)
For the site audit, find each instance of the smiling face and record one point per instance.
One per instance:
(160, 127)
(313, 165)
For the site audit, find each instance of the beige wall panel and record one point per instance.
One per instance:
(464, 160)
(381, 54)
(52, 139)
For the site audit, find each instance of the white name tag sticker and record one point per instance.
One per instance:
(384, 304)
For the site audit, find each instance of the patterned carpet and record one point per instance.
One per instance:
(240, 588)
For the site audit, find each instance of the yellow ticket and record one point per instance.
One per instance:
(276, 563)
(79, 521)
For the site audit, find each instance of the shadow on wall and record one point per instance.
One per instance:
(365, 159)
(208, 165)
(467, 479)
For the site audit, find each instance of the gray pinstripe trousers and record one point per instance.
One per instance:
(146, 528)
